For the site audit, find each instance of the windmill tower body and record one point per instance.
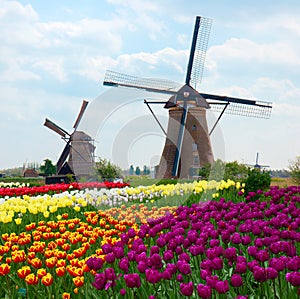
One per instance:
(196, 146)
(81, 157)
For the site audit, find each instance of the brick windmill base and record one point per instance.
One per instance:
(196, 147)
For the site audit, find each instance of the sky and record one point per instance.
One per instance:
(54, 55)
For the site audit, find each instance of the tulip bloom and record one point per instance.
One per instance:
(47, 280)
(23, 272)
(78, 281)
(31, 279)
(4, 269)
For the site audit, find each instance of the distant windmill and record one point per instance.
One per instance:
(256, 165)
(78, 155)
(187, 146)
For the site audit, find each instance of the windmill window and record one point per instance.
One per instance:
(194, 128)
(196, 160)
(194, 147)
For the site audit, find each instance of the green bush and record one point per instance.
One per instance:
(257, 180)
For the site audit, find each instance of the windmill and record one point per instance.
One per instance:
(77, 157)
(187, 146)
(256, 165)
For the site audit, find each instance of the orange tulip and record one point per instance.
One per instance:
(47, 279)
(41, 272)
(31, 279)
(66, 296)
(23, 272)
(36, 263)
(78, 281)
(4, 269)
(51, 262)
(60, 271)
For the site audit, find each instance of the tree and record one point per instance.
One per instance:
(48, 168)
(294, 167)
(137, 170)
(131, 170)
(146, 170)
(235, 171)
(107, 170)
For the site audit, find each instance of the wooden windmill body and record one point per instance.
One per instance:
(188, 145)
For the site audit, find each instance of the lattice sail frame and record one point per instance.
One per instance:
(258, 110)
(200, 52)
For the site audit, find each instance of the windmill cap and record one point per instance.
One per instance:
(187, 94)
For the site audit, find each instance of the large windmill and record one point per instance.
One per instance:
(77, 157)
(187, 146)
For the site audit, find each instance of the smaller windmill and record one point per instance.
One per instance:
(256, 165)
(77, 157)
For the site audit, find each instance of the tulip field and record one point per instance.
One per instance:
(201, 239)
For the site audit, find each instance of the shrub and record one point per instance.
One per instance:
(257, 179)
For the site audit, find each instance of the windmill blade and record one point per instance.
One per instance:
(52, 126)
(79, 117)
(198, 51)
(238, 106)
(153, 85)
(63, 157)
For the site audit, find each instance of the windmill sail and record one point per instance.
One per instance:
(52, 126)
(83, 107)
(198, 51)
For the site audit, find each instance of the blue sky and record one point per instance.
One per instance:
(53, 54)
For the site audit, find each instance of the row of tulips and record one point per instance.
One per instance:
(21, 190)
(28, 208)
(13, 185)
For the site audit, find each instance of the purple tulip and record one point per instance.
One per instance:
(110, 274)
(184, 267)
(110, 258)
(168, 255)
(293, 278)
(259, 274)
(100, 281)
(204, 291)
(246, 240)
(196, 250)
(155, 261)
(124, 264)
(217, 263)
(262, 255)
(106, 248)
(118, 252)
(94, 263)
(241, 267)
(230, 253)
(236, 238)
(142, 266)
(212, 280)
(187, 289)
(277, 263)
(222, 287)
(236, 280)
(271, 273)
(132, 280)
(153, 275)
(122, 292)
(167, 274)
